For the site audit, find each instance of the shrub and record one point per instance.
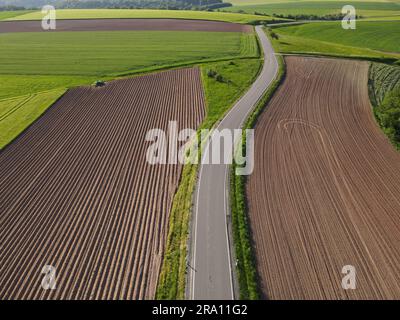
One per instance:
(220, 78)
(211, 73)
(388, 113)
(274, 35)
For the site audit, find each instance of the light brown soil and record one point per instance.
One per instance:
(126, 24)
(77, 193)
(325, 191)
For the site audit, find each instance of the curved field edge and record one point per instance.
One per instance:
(288, 41)
(246, 267)
(172, 280)
(16, 118)
(384, 94)
(149, 14)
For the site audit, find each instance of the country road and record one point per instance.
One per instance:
(211, 272)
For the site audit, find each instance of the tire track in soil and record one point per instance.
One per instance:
(324, 191)
(78, 194)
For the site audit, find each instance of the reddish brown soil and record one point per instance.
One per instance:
(325, 189)
(126, 24)
(77, 193)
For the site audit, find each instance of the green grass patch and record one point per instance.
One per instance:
(258, 2)
(382, 36)
(220, 96)
(19, 85)
(237, 76)
(364, 8)
(145, 13)
(106, 53)
(18, 113)
(299, 45)
(246, 266)
(12, 14)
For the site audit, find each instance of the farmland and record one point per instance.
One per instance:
(383, 79)
(324, 191)
(18, 113)
(4, 15)
(320, 8)
(384, 90)
(382, 36)
(126, 25)
(85, 200)
(101, 53)
(369, 40)
(147, 14)
(62, 60)
(18, 85)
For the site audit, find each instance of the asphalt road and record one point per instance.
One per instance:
(211, 272)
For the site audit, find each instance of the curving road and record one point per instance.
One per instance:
(211, 274)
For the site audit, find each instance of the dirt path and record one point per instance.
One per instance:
(325, 189)
(77, 193)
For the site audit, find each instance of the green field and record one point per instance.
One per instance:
(141, 13)
(34, 63)
(18, 113)
(20, 85)
(109, 53)
(363, 8)
(257, 2)
(369, 39)
(12, 14)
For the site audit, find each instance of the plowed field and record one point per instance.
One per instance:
(126, 24)
(325, 189)
(77, 193)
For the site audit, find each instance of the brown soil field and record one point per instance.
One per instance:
(126, 24)
(325, 189)
(77, 193)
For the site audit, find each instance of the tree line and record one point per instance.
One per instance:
(115, 4)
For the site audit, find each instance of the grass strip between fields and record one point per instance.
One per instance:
(18, 115)
(246, 264)
(237, 77)
(149, 14)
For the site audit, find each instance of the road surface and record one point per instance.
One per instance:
(211, 272)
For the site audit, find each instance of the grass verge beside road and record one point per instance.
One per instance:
(237, 76)
(246, 263)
